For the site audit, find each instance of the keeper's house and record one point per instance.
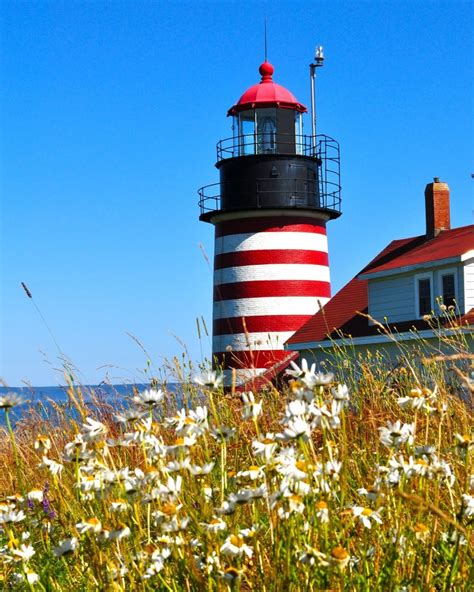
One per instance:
(405, 283)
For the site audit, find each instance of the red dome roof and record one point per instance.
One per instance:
(266, 94)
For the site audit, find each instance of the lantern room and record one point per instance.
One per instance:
(267, 119)
(269, 162)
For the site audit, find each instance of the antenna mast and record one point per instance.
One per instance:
(265, 39)
(318, 62)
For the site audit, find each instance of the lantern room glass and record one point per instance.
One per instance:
(266, 124)
(267, 131)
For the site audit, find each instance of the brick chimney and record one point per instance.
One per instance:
(437, 208)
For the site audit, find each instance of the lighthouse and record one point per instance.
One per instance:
(278, 189)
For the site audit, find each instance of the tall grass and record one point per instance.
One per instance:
(315, 486)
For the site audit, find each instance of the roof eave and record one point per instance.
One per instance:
(368, 275)
(265, 104)
(370, 339)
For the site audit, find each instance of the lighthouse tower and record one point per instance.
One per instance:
(278, 188)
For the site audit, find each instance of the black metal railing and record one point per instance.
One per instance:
(325, 193)
(266, 143)
(267, 193)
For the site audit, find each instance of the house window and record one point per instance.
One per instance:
(448, 289)
(424, 296)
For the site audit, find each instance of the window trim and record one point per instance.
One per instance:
(423, 276)
(448, 271)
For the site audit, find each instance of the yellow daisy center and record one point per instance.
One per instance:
(339, 553)
(236, 540)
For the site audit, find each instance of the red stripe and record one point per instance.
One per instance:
(265, 256)
(272, 224)
(259, 324)
(249, 359)
(272, 288)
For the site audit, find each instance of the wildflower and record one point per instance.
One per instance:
(396, 434)
(157, 562)
(173, 486)
(35, 495)
(252, 408)
(298, 372)
(294, 469)
(425, 451)
(467, 505)
(324, 417)
(215, 525)
(312, 556)
(24, 553)
(211, 380)
(418, 398)
(332, 468)
(195, 424)
(207, 563)
(421, 531)
(253, 472)
(295, 409)
(371, 493)
(91, 525)
(294, 504)
(178, 465)
(244, 496)
(392, 472)
(181, 444)
(119, 533)
(118, 505)
(235, 545)
(464, 443)
(222, 433)
(309, 376)
(65, 547)
(149, 398)
(296, 428)
(53, 467)
(30, 576)
(132, 414)
(322, 511)
(340, 557)
(10, 400)
(11, 515)
(249, 533)
(366, 515)
(42, 443)
(227, 508)
(93, 429)
(266, 447)
(341, 395)
(199, 471)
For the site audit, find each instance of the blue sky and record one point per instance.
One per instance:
(110, 115)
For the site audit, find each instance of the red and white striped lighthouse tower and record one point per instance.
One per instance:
(277, 189)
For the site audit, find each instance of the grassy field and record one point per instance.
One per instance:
(358, 483)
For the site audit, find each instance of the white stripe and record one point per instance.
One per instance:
(271, 271)
(281, 305)
(254, 241)
(242, 375)
(251, 341)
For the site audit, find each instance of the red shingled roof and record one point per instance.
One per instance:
(340, 315)
(449, 243)
(267, 93)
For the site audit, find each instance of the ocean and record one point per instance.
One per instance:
(44, 399)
